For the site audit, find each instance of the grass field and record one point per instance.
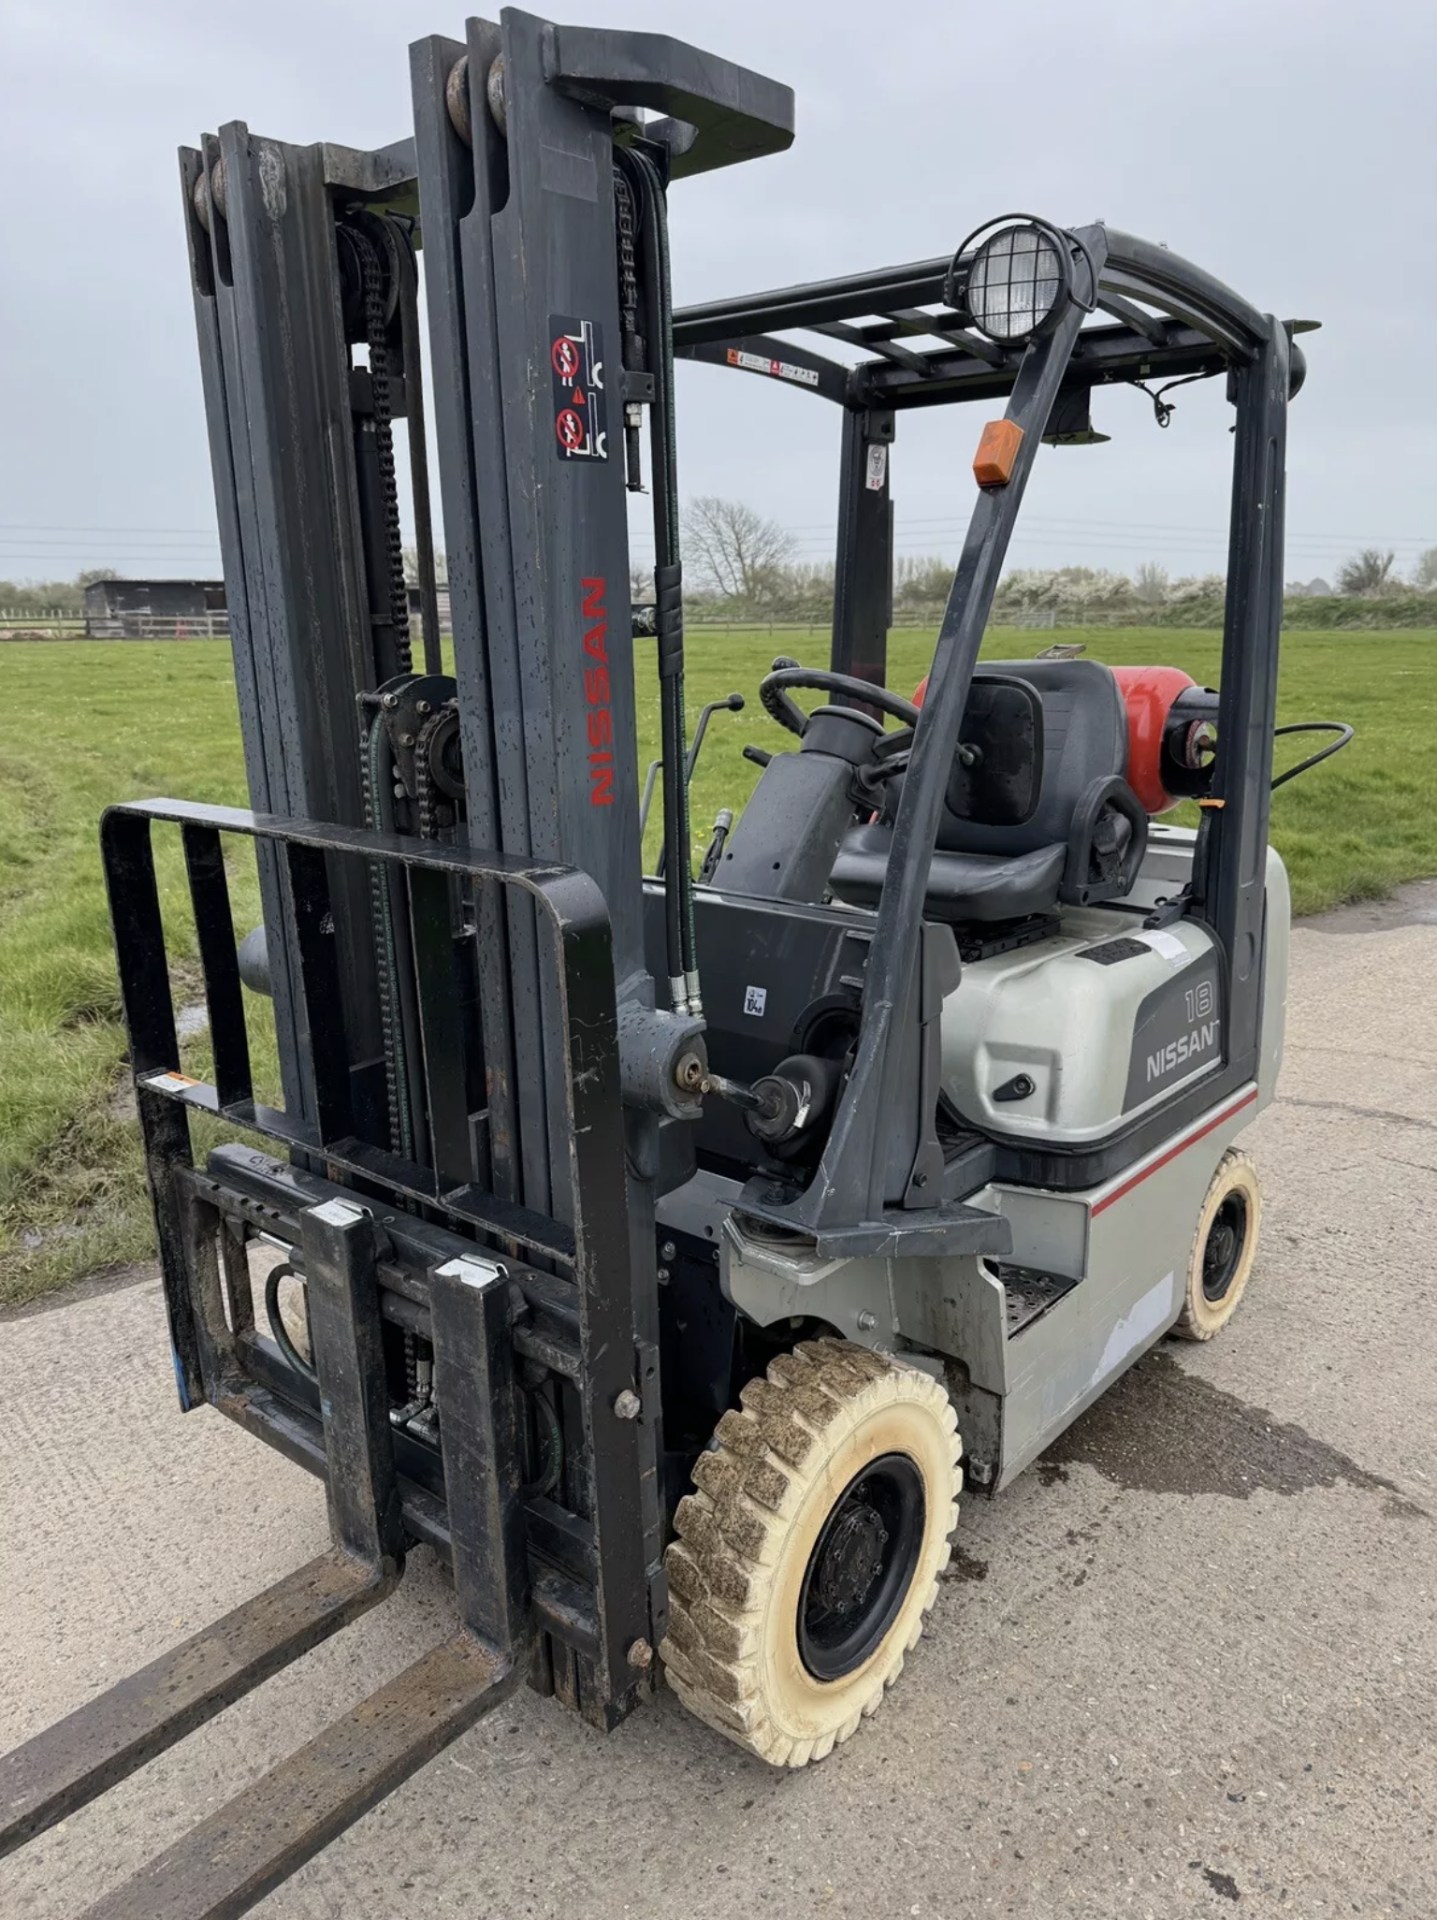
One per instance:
(83, 724)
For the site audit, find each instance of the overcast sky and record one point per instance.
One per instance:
(1289, 146)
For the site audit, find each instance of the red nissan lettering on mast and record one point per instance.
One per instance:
(596, 694)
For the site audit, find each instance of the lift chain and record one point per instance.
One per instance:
(377, 909)
(374, 286)
(626, 221)
(635, 350)
(378, 807)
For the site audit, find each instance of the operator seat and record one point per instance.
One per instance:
(1044, 814)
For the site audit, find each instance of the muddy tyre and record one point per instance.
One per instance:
(810, 1553)
(1223, 1248)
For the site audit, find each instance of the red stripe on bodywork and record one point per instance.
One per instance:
(1172, 1153)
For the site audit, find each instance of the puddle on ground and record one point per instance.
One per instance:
(1161, 1429)
(964, 1566)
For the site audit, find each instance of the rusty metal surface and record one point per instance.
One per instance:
(232, 1860)
(119, 1730)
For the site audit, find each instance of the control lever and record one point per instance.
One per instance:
(723, 821)
(649, 778)
(731, 703)
(760, 756)
(734, 703)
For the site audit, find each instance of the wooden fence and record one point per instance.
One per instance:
(62, 623)
(159, 626)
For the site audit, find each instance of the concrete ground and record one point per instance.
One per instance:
(1184, 1667)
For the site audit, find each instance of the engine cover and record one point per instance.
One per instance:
(1068, 1039)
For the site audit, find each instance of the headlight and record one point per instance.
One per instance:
(1017, 282)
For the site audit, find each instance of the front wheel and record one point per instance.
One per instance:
(810, 1553)
(1223, 1248)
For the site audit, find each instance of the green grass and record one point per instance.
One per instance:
(83, 724)
(1352, 829)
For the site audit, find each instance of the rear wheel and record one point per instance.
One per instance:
(1223, 1248)
(810, 1553)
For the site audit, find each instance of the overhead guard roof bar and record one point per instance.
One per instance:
(1200, 324)
(1141, 271)
(851, 297)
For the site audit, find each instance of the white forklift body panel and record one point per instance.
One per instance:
(1065, 1040)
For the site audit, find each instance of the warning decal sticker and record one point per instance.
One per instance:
(576, 363)
(776, 369)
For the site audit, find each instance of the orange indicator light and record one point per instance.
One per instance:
(997, 452)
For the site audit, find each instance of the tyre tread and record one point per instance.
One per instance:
(730, 1532)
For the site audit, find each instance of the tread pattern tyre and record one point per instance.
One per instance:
(778, 1469)
(1235, 1191)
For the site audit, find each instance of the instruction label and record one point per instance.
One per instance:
(775, 369)
(877, 471)
(576, 365)
(1167, 944)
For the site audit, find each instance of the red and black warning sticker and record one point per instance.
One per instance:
(775, 369)
(576, 363)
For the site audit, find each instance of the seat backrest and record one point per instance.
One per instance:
(1046, 729)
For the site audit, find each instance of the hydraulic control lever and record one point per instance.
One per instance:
(731, 703)
(723, 822)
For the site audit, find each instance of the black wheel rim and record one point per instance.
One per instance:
(1226, 1238)
(861, 1567)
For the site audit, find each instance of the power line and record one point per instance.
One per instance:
(817, 536)
(209, 536)
(29, 526)
(113, 550)
(1215, 553)
(151, 542)
(1066, 521)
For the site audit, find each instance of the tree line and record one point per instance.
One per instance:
(52, 596)
(740, 566)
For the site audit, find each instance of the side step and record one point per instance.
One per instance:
(232, 1860)
(69, 1764)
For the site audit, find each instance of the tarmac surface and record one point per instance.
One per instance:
(1185, 1666)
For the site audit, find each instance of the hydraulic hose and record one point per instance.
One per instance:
(552, 1449)
(668, 587)
(284, 1271)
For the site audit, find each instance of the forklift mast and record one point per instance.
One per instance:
(539, 191)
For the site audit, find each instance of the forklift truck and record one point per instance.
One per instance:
(643, 1245)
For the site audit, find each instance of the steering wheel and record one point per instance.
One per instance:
(773, 692)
